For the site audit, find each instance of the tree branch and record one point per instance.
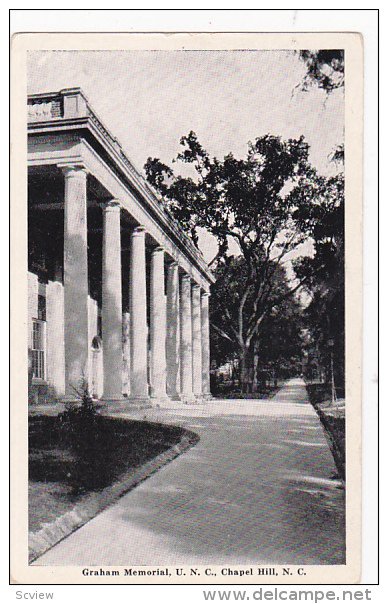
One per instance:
(222, 332)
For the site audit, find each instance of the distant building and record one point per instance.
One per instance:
(117, 292)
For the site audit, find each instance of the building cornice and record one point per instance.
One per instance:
(69, 110)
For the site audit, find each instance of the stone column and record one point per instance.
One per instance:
(197, 336)
(138, 316)
(75, 277)
(205, 345)
(173, 336)
(126, 354)
(186, 341)
(158, 326)
(112, 302)
(55, 336)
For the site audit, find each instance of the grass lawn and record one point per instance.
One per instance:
(64, 471)
(332, 416)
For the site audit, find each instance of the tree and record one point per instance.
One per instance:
(323, 274)
(281, 342)
(251, 200)
(325, 68)
(275, 336)
(243, 199)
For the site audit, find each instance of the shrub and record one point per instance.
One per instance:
(79, 430)
(79, 421)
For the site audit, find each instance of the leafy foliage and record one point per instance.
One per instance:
(234, 322)
(324, 275)
(82, 417)
(281, 342)
(240, 198)
(325, 68)
(275, 341)
(263, 203)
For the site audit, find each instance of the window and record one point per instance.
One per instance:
(38, 348)
(42, 307)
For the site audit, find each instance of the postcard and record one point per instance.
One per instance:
(186, 308)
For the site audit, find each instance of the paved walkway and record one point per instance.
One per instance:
(257, 488)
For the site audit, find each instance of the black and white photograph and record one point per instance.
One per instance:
(192, 250)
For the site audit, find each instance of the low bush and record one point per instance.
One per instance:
(333, 421)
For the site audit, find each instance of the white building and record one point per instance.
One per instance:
(117, 293)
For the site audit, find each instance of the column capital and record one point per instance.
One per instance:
(70, 170)
(113, 205)
(173, 265)
(196, 286)
(157, 250)
(139, 230)
(205, 294)
(186, 278)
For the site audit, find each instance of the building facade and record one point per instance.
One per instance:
(118, 295)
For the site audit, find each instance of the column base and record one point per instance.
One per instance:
(199, 399)
(203, 398)
(161, 401)
(188, 399)
(124, 405)
(134, 402)
(207, 397)
(115, 398)
(175, 397)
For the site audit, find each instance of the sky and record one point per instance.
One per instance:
(149, 99)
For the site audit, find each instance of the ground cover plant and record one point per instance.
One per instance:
(332, 416)
(69, 460)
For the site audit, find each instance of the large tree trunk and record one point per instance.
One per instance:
(244, 370)
(255, 381)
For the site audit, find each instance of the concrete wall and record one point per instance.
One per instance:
(126, 354)
(55, 337)
(96, 372)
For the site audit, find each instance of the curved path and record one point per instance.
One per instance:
(257, 488)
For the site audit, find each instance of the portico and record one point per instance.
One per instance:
(129, 313)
